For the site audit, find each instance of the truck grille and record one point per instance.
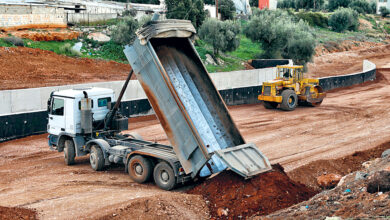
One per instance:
(267, 90)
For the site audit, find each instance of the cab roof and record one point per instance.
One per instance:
(78, 92)
(290, 66)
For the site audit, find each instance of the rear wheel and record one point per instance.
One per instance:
(289, 100)
(140, 169)
(69, 152)
(270, 105)
(96, 158)
(164, 176)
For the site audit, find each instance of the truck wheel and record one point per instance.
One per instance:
(69, 152)
(270, 105)
(289, 100)
(140, 169)
(96, 158)
(164, 177)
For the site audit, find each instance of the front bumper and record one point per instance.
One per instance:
(277, 99)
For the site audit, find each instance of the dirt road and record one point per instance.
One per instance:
(32, 176)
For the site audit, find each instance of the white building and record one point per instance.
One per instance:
(382, 3)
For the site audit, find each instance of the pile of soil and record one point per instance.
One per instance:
(29, 68)
(262, 194)
(44, 34)
(308, 173)
(17, 213)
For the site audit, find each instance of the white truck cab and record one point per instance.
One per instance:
(65, 108)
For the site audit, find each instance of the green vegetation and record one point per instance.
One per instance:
(108, 22)
(192, 10)
(222, 35)
(124, 33)
(55, 46)
(281, 36)
(314, 18)
(384, 11)
(227, 9)
(344, 19)
(4, 43)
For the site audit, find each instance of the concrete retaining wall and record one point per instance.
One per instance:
(87, 17)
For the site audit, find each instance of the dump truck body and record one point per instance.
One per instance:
(188, 105)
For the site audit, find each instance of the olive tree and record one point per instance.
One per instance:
(221, 35)
(192, 10)
(124, 32)
(344, 19)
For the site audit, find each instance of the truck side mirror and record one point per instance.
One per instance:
(49, 105)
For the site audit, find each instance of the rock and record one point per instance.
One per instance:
(333, 218)
(210, 60)
(387, 169)
(380, 182)
(77, 46)
(222, 212)
(328, 181)
(367, 164)
(360, 176)
(386, 153)
(100, 37)
(220, 61)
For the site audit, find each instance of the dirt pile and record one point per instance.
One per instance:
(230, 196)
(8, 213)
(44, 34)
(308, 173)
(28, 68)
(354, 197)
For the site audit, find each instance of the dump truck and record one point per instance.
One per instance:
(291, 88)
(203, 137)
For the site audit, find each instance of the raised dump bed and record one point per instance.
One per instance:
(187, 104)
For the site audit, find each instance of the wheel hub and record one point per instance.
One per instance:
(164, 176)
(138, 169)
(92, 158)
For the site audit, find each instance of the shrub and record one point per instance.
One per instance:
(373, 7)
(335, 4)
(68, 50)
(131, 12)
(227, 9)
(281, 37)
(384, 11)
(15, 41)
(344, 19)
(361, 6)
(314, 18)
(124, 32)
(192, 10)
(222, 35)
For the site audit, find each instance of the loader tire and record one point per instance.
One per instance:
(69, 152)
(96, 158)
(270, 105)
(164, 176)
(140, 169)
(289, 100)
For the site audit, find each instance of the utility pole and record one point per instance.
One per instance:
(216, 9)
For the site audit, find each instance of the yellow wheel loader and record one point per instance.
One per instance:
(291, 88)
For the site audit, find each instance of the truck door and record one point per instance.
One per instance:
(57, 116)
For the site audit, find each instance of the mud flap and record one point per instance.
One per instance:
(245, 160)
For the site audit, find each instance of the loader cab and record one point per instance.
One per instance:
(293, 73)
(64, 108)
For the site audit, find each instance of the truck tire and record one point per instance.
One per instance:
(96, 158)
(140, 169)
(289, 100)
(164, 176)
(270, 105)
(69, 152)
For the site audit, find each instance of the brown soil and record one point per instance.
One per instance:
(7, 213)
(308, 173)
(33, 26)
(28, 68)
(44, 34)
(262, 194)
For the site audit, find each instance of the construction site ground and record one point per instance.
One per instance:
(349, 120)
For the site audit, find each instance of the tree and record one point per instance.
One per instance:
(124, 33)
(221, 35)
(344, 19)
(361, 6)
(192, 10)
(373, 7)
(227, 9)
(384, 11)
(335, 4)
(281, 37)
